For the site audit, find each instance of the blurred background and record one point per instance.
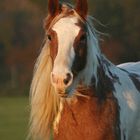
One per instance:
(21, 36)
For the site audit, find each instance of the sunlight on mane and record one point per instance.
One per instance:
(44, 101)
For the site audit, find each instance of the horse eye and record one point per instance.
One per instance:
(49, 37)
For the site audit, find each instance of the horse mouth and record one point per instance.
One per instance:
(65, 93)
(62, 93)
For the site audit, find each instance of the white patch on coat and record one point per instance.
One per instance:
(128, 98)
(130, 101)
(67, 31)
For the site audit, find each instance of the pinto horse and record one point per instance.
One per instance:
(76, 92)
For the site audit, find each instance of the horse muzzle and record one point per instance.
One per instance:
(61, 82)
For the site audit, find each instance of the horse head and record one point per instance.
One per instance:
(67, 36)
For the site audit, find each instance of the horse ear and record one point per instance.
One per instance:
(53, 7)
(82, 8)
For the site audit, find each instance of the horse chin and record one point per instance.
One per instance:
(62, 92)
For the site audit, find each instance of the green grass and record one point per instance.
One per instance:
(14, 114)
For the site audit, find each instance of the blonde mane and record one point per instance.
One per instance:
(44, 101)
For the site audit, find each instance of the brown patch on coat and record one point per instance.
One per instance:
(80, 48)
(53, 43)
(86, 119)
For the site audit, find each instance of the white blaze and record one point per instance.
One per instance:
(66, 30)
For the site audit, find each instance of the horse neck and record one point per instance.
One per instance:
(106, 77)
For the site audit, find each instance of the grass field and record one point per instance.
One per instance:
(14, 114)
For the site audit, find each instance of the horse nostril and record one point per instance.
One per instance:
(67, 79)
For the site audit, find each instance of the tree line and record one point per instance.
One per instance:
(21, 35)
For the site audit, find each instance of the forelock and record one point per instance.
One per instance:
(66, 11)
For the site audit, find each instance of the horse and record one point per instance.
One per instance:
(76, 92)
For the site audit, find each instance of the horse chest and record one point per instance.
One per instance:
(87, 119)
